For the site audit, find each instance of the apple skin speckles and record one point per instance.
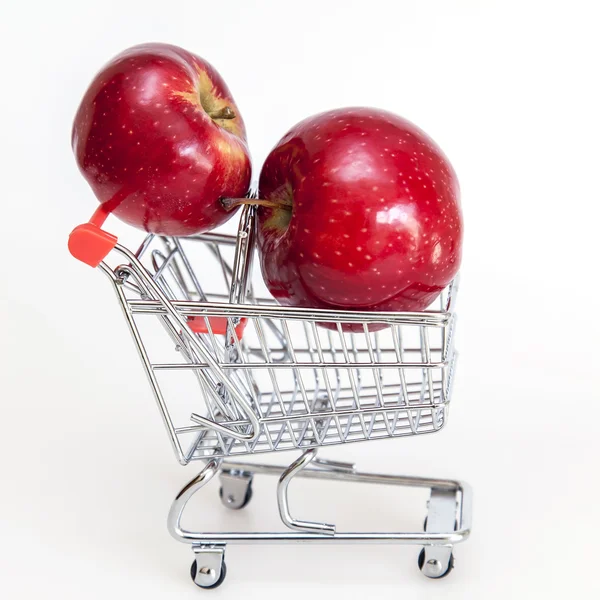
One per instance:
(149, 107)
(376, 223)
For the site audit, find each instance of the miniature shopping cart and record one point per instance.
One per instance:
(236, 374)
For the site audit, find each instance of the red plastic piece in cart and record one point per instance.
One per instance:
(217, 324)
(89, 243)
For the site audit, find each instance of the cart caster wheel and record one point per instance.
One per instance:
(235, 497)
(208, 576)
(431, 569)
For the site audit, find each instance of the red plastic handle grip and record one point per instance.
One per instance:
(89, 243)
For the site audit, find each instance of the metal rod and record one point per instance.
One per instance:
(300, 365)
(282, 498)
(188, 308)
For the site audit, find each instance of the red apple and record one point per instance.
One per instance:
(160, 140)
(360, 211)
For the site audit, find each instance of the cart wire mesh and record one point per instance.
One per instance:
(267, 378)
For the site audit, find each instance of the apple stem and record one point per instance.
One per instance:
(223, 113)
(231, 203)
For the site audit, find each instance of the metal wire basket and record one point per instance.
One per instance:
(270, 377)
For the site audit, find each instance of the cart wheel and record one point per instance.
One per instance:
(230, 501)
(421, 563)
(216, 584)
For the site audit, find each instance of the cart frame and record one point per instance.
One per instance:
(352, 396)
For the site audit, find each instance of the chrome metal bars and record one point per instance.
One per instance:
(272, 378)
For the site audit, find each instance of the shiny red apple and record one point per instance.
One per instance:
(360, 211)
(160, 140)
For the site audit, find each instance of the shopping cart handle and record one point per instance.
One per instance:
(89, 243)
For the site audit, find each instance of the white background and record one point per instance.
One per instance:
(508, 89)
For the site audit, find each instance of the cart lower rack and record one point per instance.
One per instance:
(447, 522)
(235, 374)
